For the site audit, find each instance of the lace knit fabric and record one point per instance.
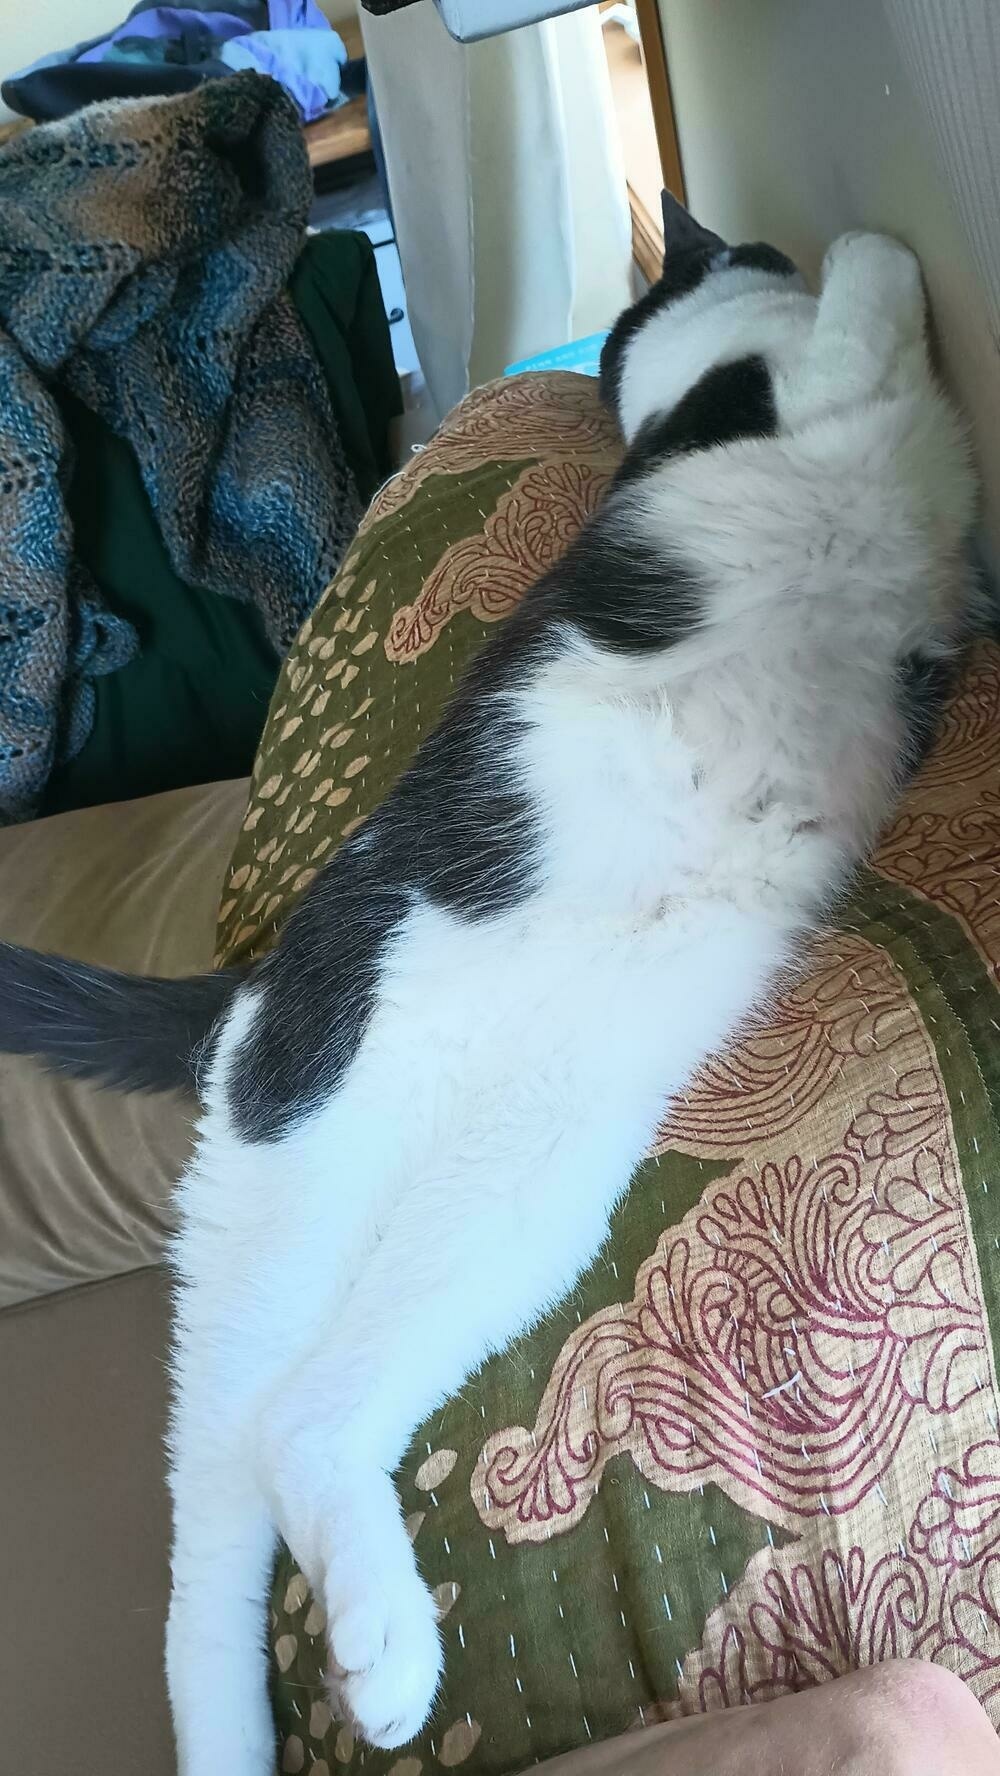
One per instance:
(144, 254)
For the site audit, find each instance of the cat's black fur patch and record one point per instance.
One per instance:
(923, 684)
(731, 401)
(457, 830)
(618, 590)
(758, 256)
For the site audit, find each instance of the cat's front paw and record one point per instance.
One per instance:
(386, 1664)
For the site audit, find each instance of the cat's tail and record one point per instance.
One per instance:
(119, 1030)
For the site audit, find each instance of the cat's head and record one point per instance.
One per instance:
(694, 260)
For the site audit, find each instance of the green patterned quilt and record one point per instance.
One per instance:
(758, 1446)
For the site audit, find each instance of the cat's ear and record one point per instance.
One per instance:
(688, 252)
(681, 232)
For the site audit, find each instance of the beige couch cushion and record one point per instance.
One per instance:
(85, 1175)
(85, 1532)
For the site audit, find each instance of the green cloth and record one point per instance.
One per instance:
(191, 706)
(335, 289)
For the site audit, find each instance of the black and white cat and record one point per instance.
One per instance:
(422, 1107)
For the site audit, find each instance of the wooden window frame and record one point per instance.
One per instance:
(654, 54)
(647, 232)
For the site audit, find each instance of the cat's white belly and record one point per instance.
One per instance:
(512, 1078)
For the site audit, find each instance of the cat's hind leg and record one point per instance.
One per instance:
(223, 1552)
(340, 1514)
(328, 1441)
(246, 1303)
(466, 1259)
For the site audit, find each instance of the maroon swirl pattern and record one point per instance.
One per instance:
(935, 1595)
(945, 842)
(771, 1080)
(780, 1340)
(967, 749)
(489, 573)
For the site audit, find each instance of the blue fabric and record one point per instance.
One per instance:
(167, 48)
(582, 355)
(165, 22)
(306, 62)
(299, 15)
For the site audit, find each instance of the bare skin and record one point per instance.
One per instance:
(904, 1718)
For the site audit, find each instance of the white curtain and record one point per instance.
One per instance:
(507, 187)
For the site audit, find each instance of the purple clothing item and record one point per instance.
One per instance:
(296, 15)
(297, 46)
(306, 62)
(172, 21)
